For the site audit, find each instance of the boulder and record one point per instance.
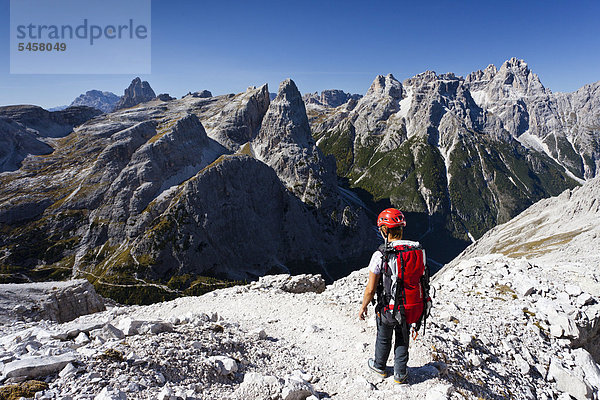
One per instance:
(225, 365)
(573, 290)
(296, 388)
(292, 283)
(56, 301)
(584, 360)
(110, 394)
(108, 332)
(129, 326)
(259, 387)
(155, 327)
(524, 286)
(562, 325)
(569, 382)
(38, 366)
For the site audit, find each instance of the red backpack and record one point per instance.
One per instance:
(403, 289)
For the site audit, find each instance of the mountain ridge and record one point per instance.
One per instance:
(489, 146)
(129, 198)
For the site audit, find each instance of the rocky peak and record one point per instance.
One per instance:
(330, 98)
(421, 79)
(103, 101)
(137, 92)
(203, 94)
(286, 119)
(516, 74)
(285, 144)
(485, 75)
(238, 120)
(385, 86)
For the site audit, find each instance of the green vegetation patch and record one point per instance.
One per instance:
(512, 248)
(340, 144)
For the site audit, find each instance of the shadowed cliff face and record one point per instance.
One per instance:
(147, 199)
(462, 155)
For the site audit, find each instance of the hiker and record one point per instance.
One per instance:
(398, 275)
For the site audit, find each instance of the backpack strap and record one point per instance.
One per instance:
(400, 298)
(382, 299)
(425, 285)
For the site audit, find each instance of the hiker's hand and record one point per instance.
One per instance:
(363, 312)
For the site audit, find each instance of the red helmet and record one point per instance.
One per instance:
(391, 218)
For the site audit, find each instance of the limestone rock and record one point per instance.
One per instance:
(568, 382)
(225, 365)
(239, 119)
(330, 98)
(296, 388)
(103, 101)
(165, 97)
(16, 143)
(38, 366)
(137, 92)
(590, 368)
(257, 386)
(57, 301)
(202, 94)
(292, 283)
(110, 394)
(48, 123)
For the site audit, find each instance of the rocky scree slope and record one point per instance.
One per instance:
(462, 154)
(491, 335)
(147, 203)
(566, 231)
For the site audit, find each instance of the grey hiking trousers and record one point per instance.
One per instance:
(383, 346)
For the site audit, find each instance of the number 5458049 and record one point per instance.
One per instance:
(42, 46)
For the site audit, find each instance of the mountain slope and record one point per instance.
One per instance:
(462, 155)
(30, 130)
(147, 204)
(562, 229)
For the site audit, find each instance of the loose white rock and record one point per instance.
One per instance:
(225, 365)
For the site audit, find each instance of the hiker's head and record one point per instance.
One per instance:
(391, 222)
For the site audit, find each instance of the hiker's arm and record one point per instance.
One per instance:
(369, 294)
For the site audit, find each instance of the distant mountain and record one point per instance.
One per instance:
(330, 98)
(58, 108)
(462, 155)
(137, 92)
(103, 101)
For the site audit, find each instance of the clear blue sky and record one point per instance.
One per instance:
(226, 46)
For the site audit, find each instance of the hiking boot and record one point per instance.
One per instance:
(400, 379)
(371, 364)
